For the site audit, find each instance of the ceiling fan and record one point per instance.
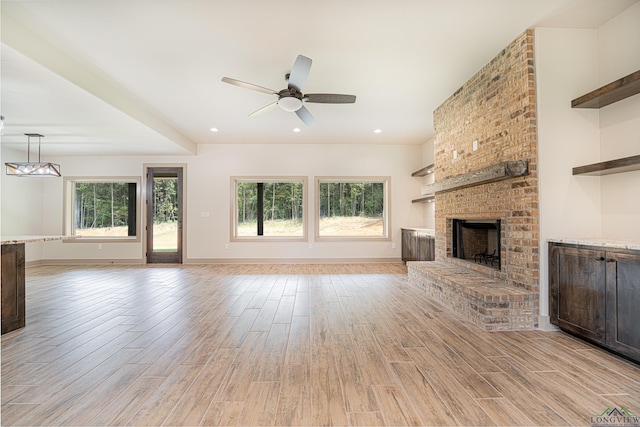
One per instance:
(291, 98)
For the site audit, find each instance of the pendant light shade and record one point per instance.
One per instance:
(30, 168)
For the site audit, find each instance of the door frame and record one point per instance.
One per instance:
(183, 224)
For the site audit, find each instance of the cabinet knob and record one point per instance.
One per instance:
(611, 260)
(600, 258)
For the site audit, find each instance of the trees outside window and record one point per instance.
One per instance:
(102, 208)
(352, 207)
(269, 207)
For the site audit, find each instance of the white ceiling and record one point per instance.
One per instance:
(118, 77)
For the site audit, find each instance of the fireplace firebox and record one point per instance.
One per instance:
(477, 241)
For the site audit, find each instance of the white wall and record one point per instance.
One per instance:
(566, 68)
(22, 204)
(208, 185)
(569, 64)
(619, 56)
(428, 209)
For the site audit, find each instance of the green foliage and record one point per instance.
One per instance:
(364, 199)
(281, 201)
(101, 204)
(165, 195)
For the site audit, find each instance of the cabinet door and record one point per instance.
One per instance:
(623, 306)
(13, 292)
(425, 247)
(409, 245)
(577, 281)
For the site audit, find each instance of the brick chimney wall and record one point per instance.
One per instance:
(496, 108)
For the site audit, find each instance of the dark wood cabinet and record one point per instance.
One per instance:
(623, 306)
(578, 301)
(13, 292)
(594, 293)
(417, 245)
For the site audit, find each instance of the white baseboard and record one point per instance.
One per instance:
(292, 260)
(89, 261)
(544, 324)
(220, 261)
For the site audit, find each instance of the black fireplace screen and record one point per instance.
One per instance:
(477, 240)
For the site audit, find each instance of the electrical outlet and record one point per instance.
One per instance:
(475, 145)
(455, 154)
(393, 245)
(226, 246)
(310, 245)
(99, 246)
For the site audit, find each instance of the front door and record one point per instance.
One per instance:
(164, 215)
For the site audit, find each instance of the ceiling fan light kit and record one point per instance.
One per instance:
(291, 99)
(29, 168)
(290, 103)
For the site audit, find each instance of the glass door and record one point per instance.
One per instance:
(164, 215)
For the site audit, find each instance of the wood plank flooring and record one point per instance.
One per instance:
(285, 345)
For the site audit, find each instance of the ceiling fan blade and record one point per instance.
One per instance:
(329, 98)
(305, 116)
(248, 85)
(264, 109)
(300, 72)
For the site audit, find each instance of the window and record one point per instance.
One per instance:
(271, 208)
(102, 208)
(354, 208)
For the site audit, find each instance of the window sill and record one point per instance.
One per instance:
(96, 239)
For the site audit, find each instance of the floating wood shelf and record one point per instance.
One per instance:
(613, 92)
(497, 172)
(609, 167)
(424, 199)
(424, 171)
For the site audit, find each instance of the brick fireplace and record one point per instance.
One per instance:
(494, 111)
(485, 167)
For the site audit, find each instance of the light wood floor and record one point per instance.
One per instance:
(285, 345)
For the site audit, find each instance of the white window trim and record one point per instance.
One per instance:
(386, 180)
(69, 208)
(233, 230)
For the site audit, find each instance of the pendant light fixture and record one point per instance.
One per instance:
(30, 168)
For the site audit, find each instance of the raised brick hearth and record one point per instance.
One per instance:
(491, 304)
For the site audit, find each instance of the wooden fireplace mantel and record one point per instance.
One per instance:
(493, 173)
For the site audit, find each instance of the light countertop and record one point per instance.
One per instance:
(598, 241)
(429, 231)
(12, 240)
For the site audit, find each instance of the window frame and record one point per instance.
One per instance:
(386, 214)
(233, 231)
(69, 200)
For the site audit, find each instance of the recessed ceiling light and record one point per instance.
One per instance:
(214, 129)
(296, 130)
(377, 131)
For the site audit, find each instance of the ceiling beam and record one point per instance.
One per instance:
(86, 76)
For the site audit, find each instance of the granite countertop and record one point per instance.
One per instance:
(430, 231)
(599, 241)
(12, 240)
